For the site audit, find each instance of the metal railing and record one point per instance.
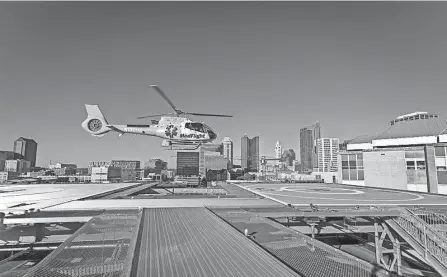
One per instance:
(431, 241)
(435, 220)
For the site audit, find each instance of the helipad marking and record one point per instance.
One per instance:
(418, 197)
(301, 190)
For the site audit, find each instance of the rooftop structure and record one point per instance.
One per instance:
(413, 116)
(413, 129)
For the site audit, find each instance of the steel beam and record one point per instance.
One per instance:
(396, 263)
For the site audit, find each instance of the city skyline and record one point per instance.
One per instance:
(288, 64)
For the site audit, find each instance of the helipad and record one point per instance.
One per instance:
(341, 195)
(22, 197)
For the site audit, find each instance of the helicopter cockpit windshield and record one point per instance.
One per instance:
(202, 128)
(195, 126)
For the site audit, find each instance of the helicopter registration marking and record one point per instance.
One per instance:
(132, 130)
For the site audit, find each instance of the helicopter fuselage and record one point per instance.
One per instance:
(177, 130)
(174, 130)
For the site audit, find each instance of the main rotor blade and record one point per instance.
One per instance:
(208, 114)
(154, 115)
(162, 94)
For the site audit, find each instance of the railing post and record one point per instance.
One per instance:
(425, 242)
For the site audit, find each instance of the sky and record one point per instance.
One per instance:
(275, 66)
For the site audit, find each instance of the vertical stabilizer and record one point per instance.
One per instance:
(95, 123)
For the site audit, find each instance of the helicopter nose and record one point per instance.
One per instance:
(212, 135)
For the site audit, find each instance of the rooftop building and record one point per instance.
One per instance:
(412, 129)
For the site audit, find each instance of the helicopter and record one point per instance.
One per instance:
(176, 129)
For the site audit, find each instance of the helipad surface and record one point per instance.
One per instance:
(45, 195)
(341, 195)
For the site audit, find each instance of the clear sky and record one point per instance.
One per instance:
(276, 67)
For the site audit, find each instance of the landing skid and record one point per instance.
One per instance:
(179, 147)
(169, 145)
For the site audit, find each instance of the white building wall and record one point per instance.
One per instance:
(385, 169)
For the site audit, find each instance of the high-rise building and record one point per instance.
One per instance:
(250, 153)
(228, 150)
(26, 149)
(188, 163)
(308, 155)
(327, 151)
(288, 156)
(278, 152)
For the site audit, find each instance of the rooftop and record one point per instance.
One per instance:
(26, 139)
(414, 125)
(415, 128)
(362, 139)
(227, 139)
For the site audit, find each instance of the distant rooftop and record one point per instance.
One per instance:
(227, 139)
(422, 125)
(362, 139)
(413, 116)
(26, 139)
(417, 124)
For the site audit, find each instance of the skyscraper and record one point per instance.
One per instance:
(288, 157)
(250, 153)
(26, 149)
(327, 151)
(308, 155)
(228, 150)
(188, 163)
(278, 152)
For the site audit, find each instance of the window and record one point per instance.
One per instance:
(353, 174)
(441, 168)
(345, 174)
(410, 165)
(361, 175)
(442, 177)
(439, 151)
(420, 165)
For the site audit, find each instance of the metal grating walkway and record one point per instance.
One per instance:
(104, 246)
(308, 256)
(193, 242)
